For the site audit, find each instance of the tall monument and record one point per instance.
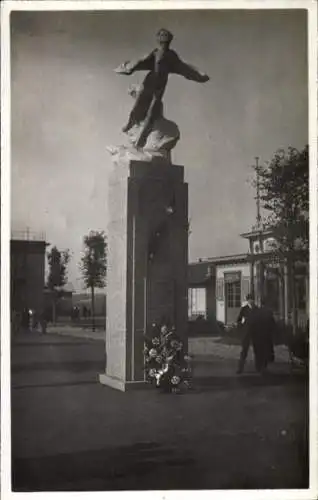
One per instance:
(148, 223)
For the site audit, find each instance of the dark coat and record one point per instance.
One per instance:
(244, 314)
(261, 327)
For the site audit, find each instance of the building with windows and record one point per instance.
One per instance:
(27, 260)
(218, 286)
(216, 290)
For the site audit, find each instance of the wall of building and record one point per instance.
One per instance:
(27, 275)
(210, 300)
(221, 269)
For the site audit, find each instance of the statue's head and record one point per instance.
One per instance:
(164, 37)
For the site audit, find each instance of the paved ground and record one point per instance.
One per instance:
(71, 433)
(208, 344)
(76, 332)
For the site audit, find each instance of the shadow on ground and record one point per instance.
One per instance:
(206, 383)
(145, 466)
(70, 433)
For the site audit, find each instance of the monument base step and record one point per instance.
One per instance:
(122, 385)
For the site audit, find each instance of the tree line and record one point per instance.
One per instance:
(93, 267)
(284, 191)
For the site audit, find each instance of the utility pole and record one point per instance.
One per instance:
(258, 201)
(259, 263)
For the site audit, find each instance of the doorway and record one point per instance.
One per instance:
(233, 299)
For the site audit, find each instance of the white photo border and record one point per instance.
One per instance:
(83, 5)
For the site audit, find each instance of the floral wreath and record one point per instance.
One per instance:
(167, 365)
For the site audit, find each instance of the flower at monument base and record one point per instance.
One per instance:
(164, 340)
(166, 362)
(165, 368)
(175, 344)
(175, 380)
(159, 375)
(164, 352)
(164, 330)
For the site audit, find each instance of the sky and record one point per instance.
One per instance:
(68, 105)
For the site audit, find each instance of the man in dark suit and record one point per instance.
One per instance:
(242, 322)
(259, 330)
(245, 310)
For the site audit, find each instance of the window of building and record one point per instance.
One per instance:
(233, 291)
(220, 289)
(197, 303)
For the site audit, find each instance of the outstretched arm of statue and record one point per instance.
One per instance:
(189, 72)
(144, 64)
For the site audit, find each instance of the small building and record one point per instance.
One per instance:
(218, 286)
(27, 260)
(271, 278)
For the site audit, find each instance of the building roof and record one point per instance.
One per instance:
(266, 231)
(26, 235)
(205, 269)
(228, 259)
(26, 246)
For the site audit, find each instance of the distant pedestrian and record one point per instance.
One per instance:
(75, 313)
(15, 322)
(34, 320)
(43, 323)
(25, 319)
(31, 316)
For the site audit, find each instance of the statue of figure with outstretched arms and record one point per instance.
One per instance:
(161, 62)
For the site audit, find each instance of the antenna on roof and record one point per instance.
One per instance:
(258, 201)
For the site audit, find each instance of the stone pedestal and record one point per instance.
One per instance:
(147, 263)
